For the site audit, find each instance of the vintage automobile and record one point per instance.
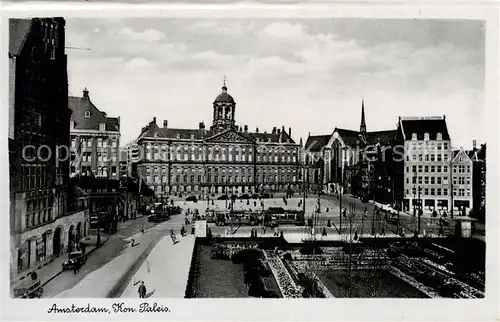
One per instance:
(74, 258)
(29, 289)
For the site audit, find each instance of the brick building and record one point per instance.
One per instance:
(42, 222)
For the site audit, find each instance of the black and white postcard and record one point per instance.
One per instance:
(250, 162)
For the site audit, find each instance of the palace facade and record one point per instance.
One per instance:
(222, 159)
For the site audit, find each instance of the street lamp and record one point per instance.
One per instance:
(419, 204)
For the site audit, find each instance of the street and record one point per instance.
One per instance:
(116, 246)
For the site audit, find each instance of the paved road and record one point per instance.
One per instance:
(330, 210)
(115, 246)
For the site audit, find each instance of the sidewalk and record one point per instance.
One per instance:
(165, 271)
(52, 269)
(106, 281)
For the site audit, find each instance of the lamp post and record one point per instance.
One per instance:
(419, 188)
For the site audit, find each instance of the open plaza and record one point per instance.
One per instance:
(212, 261)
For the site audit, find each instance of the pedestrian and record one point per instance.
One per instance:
(142, 290)
(142, 229)
(75, 267)
(324, 232)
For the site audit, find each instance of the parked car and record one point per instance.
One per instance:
(245, 196)
(255, 196)
(234, 197)
(74, 258)
(265, 196)
(223, 197)
(192, 198)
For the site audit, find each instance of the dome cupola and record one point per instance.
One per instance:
(224, 107)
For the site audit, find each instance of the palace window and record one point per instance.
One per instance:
(426, 136)
(439, 136)
(414, 136)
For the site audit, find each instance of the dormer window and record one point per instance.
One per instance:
(439, 136)
(414, 136)
(155, 135)
(178, 136)
(192, 136)
(87, 114)
(426, 136)
(102, 126)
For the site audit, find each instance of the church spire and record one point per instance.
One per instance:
(362, 127)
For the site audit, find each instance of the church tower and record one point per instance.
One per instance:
(224, 108)
(362, 127)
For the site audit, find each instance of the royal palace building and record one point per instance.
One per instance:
(221, 159)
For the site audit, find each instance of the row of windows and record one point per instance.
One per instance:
(215, 150)
(428, 192)
(426, 168)
(428, 157)
(428, 146)
(164, 170)
(439, 136)
(86, 141)
(219, 179)
(427, 180)
(461, 192)
(38, 218)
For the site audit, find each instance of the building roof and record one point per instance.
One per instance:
(348, 136)
(315, 143)
(80, 105)
(383, 137)
(420, 126)
(18, 32)
(224, 98)
(152, 130)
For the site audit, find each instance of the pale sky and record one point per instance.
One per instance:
(307, 74)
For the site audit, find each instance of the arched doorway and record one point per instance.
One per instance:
(56, 242)
(78, 232)
(71, 238)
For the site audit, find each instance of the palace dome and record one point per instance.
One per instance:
(224, 97)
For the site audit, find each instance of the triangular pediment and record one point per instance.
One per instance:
(461, 157)
(229, 136)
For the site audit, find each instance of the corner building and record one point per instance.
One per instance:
(222, 159)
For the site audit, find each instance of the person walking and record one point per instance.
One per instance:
(142, 290)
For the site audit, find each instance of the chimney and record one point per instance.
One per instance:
(474, 144)
(245, 128)
(144, 129)
(279, 131)
(274, 130)
(256, 130)
(165, 123)
(202, 126)
(85, 93)
(290, 132)
(154, 120)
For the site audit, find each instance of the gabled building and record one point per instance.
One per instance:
(225, 158)
(461, 176)
(316, 159)
(361, 161)
(95, 139)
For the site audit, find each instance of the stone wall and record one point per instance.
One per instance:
(37, 244)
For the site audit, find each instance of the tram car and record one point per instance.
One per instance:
(275, 216)
(237, 217)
